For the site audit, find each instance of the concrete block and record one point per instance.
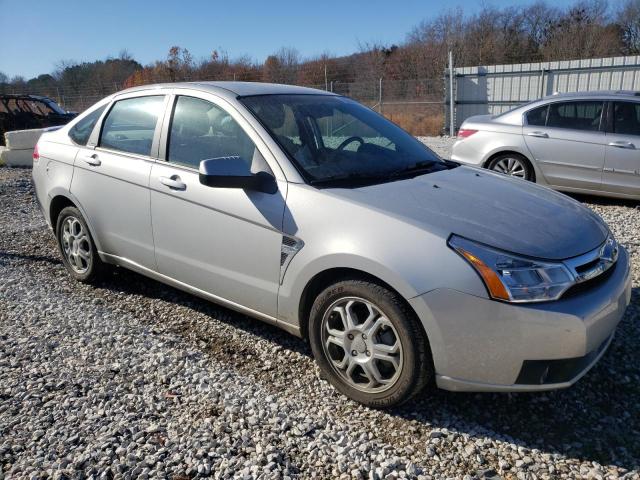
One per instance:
(23, 139)
(16, 158)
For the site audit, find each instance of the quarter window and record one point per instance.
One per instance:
(626, 118)
(575, 115)
(131, 123)
(202, 131)
(81, 131)
(537, 116)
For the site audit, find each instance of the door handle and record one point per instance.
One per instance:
(538, 134)
(92, 160)
(622, 144)
(173, 182)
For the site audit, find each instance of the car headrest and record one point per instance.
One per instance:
(625, 112)
(196, 124)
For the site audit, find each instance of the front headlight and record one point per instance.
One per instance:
(512, 278)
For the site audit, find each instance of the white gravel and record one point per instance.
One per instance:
(133, 379)
(441, 145)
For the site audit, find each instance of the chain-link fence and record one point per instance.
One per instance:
(416, 105)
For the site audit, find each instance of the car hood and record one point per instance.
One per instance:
(505, 213)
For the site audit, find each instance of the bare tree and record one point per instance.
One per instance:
(584, 31)
(282, 66)
(629, 20)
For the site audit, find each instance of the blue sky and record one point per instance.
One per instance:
(37, 34)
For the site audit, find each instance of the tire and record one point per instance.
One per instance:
(513, 165)
(79, 254)
(382, 320)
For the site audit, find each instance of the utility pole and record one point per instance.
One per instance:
(326, 82)
(380, 96)
(452, 127)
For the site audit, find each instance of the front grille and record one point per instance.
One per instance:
(587, 266)
(593, 268)
(589, 285)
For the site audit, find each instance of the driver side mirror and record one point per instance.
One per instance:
(234, 172)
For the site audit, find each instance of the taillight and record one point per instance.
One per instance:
(465, 132)
(36, 154)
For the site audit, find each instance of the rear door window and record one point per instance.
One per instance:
(131, 124)
(582, 115)
(81, 131)
(626, 118)
(537, 116)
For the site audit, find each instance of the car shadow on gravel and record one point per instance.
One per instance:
(598, 419)
(4, 256)
(129, 282)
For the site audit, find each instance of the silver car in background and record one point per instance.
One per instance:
(313, 213)
(578, 142)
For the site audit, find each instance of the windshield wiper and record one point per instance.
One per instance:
(359, 179)
(349, 179)
(419, 168)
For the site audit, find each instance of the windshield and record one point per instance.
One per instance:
(333, 138)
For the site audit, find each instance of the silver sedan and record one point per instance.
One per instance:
(580, 142)
(313, 213)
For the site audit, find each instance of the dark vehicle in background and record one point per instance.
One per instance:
(23, 112)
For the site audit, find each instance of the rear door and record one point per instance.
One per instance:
(622, 161)
(111, 179)
(568, 142)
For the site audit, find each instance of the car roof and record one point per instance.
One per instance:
(237, 89)
(514, 116)
(595, 93)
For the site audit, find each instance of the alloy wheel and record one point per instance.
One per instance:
(362, 345)
(511, 166)
(76, 245)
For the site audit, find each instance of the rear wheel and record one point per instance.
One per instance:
(512, 164)
(79, 254)
(368, 343)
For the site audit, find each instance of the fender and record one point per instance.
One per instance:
(301, 272)
(62, 192)
(292, 289)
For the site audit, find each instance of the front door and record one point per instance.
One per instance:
(223, 241)
(569, 145)
(622, 162)
(111, 180)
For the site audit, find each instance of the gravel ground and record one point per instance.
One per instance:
(133, 379)
(441, 145)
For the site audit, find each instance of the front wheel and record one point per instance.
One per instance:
(512, 164)
(369, 344)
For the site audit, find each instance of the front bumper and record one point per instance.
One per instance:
(480, 344)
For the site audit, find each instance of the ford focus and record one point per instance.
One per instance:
(311, 212)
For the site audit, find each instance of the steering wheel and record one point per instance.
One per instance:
(350, 140)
